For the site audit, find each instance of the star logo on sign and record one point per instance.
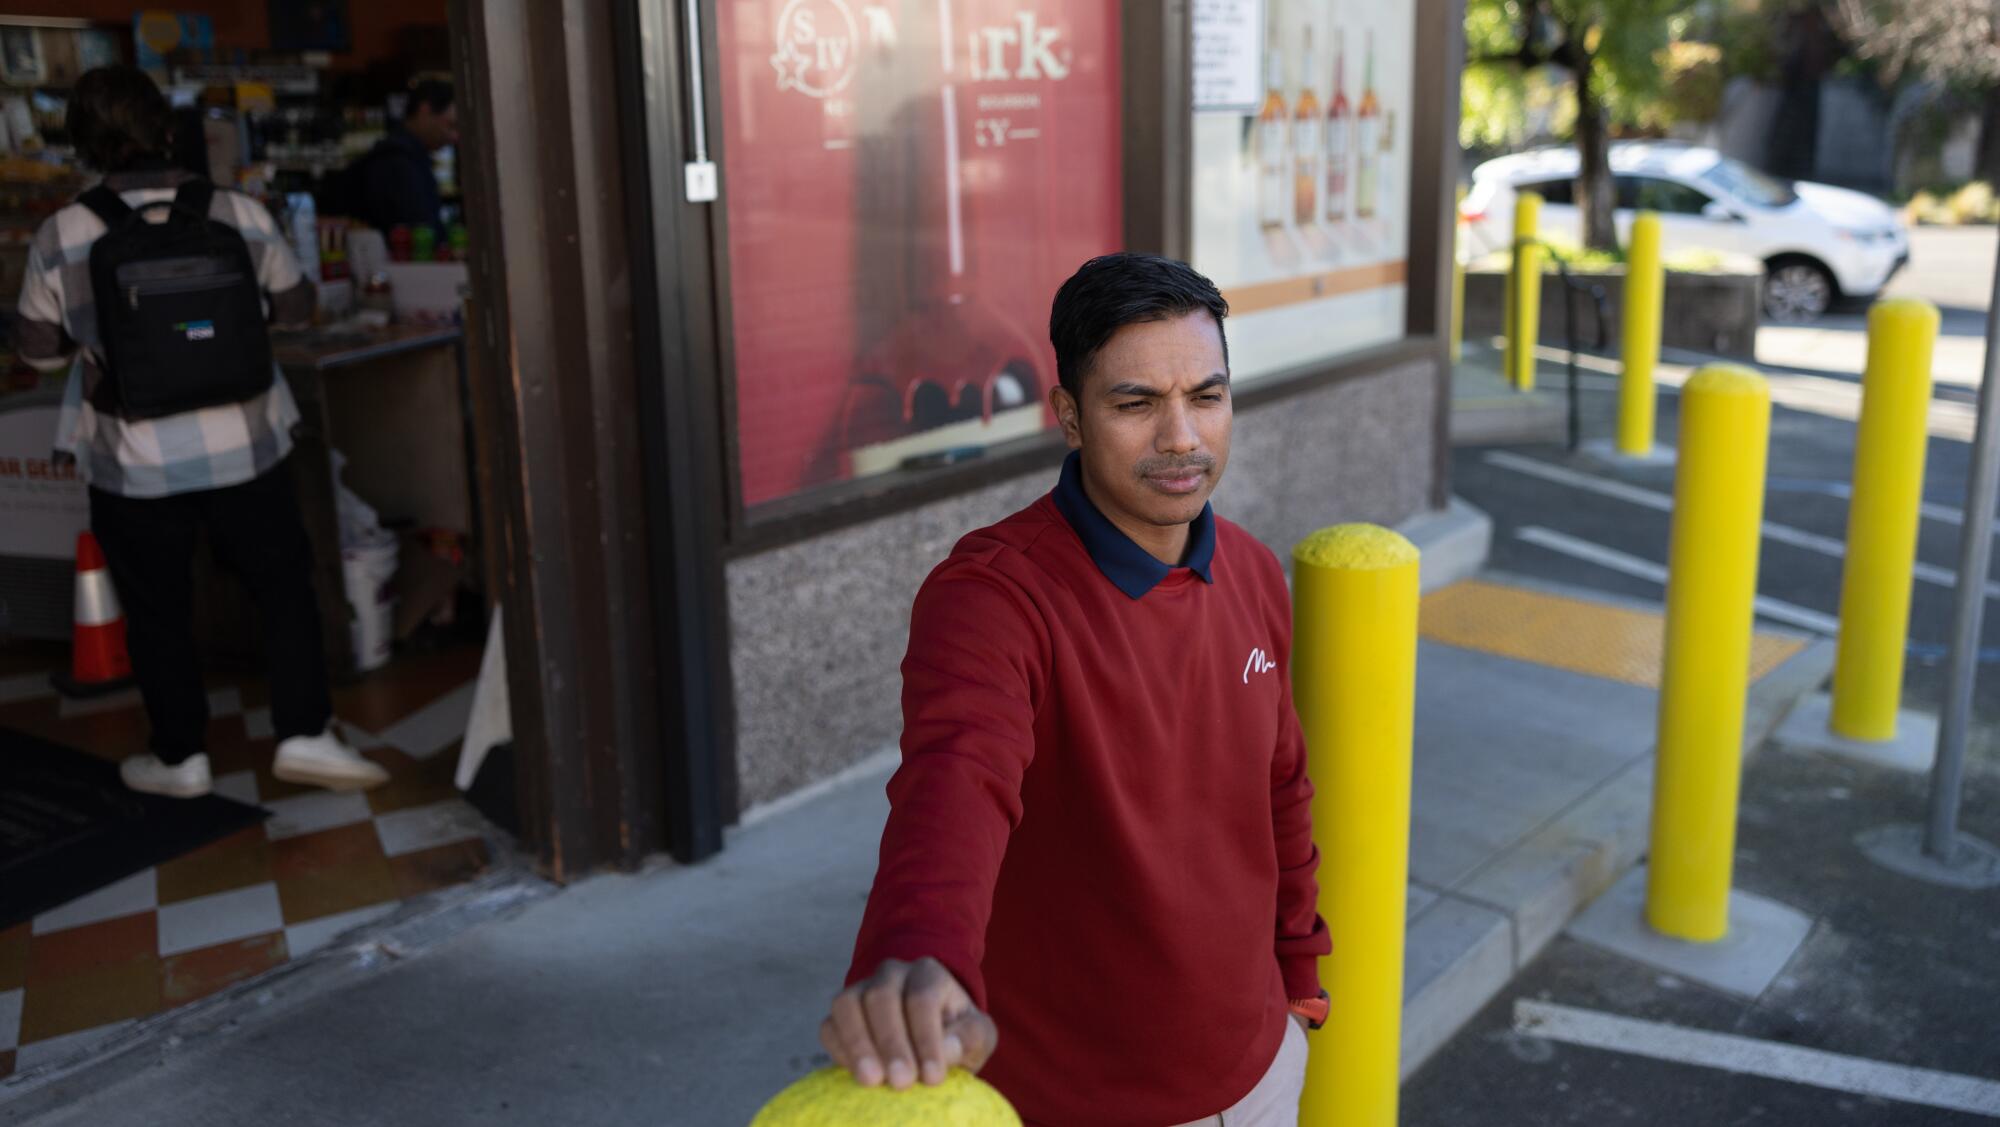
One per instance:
(790, 65)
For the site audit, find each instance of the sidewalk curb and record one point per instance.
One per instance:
(1467, 945)
(1453, 542)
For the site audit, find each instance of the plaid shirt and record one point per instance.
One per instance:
(206, 449)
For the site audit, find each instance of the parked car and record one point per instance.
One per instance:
(1818, 243)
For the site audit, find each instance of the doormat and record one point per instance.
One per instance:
(68, 826)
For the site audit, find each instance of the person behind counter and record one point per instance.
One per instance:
(161, 472)
(393, 184)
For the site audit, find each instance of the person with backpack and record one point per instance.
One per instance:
(155, 289)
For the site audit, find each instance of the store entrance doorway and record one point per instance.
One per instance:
(117, 907)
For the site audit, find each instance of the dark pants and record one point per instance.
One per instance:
(255, 530)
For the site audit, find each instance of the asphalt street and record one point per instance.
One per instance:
(1810, 460)
(1950, 267)
(1894, 975)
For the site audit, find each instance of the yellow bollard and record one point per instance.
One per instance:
(1354, 676)
(1882, 518)
(1524, 326)
(1645, 290)
(1507, 324)
(1705, 672)
(1458, 277)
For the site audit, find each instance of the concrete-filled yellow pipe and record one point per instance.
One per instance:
(1645, 292)
(1354, 675)
(1458, 278)
(1525, 313)
(1889, 446)
(1725, 425)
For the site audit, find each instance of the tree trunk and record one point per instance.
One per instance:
(1595, 194)
(1988, 167)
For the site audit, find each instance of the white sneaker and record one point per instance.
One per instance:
(324, 761)
(186, 779)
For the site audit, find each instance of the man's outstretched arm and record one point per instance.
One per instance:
(972, 681)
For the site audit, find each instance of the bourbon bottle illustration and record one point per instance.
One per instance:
(1368, 128)
(1339, 135)
(1306, 136)
(1385, 168)
(1273, 143)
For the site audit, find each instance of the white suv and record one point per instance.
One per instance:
(1818, 243)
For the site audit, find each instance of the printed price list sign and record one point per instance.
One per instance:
(1228, 63)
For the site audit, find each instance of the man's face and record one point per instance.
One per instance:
(434, 127)
(1153, 421)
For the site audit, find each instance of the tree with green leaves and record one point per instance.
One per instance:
(1609, 50)
(1953, 43)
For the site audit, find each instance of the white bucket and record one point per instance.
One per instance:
(367, 570)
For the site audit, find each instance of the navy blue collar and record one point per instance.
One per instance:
(1129, 567)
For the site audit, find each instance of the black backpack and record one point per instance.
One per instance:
(180, 315)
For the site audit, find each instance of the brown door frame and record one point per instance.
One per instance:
(619, 735)
(683, 420)
(1434, 172)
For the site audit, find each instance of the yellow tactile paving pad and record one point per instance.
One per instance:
(1581, 636)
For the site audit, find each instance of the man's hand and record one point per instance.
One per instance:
(909, 1021)
(1303, 1023)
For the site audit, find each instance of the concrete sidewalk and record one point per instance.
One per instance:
(689, 995)
(1487, 411)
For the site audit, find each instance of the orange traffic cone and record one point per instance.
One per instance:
(98, 661)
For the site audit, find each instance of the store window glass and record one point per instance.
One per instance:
(1301, 164)
(907, 183)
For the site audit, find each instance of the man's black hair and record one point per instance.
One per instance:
(433, 92)
(117, 118)
(1115, 290)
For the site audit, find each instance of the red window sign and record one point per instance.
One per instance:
(907, 184)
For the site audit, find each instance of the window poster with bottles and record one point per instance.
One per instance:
(907, 182)
(1301, 156)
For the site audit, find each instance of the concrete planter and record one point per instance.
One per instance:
(1712, 313)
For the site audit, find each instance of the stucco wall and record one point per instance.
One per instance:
(818, 628)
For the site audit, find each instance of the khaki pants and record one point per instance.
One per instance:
(1274, 1102)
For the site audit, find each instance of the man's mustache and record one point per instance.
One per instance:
(1167, 466)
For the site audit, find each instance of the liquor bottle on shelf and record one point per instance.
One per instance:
(1368, 126)
(1385, 169)
(1339, 135)
(1273, 141)
(1306, 143)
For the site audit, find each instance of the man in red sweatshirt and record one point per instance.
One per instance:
(1096, 882)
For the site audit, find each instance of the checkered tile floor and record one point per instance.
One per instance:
(321, 865)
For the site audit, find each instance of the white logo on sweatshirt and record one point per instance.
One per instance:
(1260, 662)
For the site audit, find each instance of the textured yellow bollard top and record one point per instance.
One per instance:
(1728, 379)
(1356, 547)
(831, 1098)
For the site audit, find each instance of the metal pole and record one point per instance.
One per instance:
(1974, 554)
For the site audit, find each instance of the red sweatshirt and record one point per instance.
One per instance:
(1102, 821)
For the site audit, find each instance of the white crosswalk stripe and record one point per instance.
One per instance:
(1776, 610)
(1729, 1052)
(1661, 502)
